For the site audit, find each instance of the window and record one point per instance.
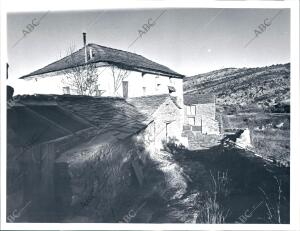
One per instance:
(157, 83)
(66, 90)
(157, 86)
(144, 90)
(191, 121)
(191, 110)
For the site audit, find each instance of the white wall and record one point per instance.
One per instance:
(153, 84)
(49, 85)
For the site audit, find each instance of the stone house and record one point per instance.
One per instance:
(43, 128)
(71, 151)
(200, 113)
(120, 73)
(166, 118)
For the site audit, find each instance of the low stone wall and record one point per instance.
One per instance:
(197, 140)
(15, 174)
(30, 176)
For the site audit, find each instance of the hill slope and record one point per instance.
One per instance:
(263, 88)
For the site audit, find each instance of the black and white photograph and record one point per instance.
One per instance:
(149, 115)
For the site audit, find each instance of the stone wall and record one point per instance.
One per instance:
(210, 126)
(167, 123)
(30, 175)
(202, 111)
(78, 177)
(32, 181)
(15, 174)
(205, 119)
(198, 141)
(206, 110)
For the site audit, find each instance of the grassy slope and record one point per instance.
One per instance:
(260, 88)
(256, 92)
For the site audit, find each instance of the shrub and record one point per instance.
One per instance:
(274, 206)
(173, 146)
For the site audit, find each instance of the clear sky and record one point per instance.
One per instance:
(189, 41)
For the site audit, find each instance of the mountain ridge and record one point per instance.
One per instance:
(259, 88)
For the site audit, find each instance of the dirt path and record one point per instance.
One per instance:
(185, 179)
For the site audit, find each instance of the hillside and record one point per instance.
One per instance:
(245, 89)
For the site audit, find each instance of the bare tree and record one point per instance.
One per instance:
(119, 75)
(83, 79)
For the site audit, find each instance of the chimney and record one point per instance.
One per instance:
(84, 44)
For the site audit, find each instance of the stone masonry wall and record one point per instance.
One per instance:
(30, 176)
(171, 114)
(198, 141)
(202, 111)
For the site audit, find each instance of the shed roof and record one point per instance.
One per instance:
(106, 113)
(149, 104)
(111, 56)
(28, 128)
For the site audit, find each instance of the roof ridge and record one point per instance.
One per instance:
(131, 53)
(89, 44)
(145, 96)
(65, 96)
(109, 55)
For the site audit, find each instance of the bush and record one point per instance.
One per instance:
(173, 146)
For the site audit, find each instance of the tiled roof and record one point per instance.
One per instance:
(107, 113)
(26, 128)
(122, 59)
(189, 99)
(149, 104)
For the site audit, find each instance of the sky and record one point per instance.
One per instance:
(189, 41)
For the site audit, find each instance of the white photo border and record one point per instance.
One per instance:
(59, 5)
